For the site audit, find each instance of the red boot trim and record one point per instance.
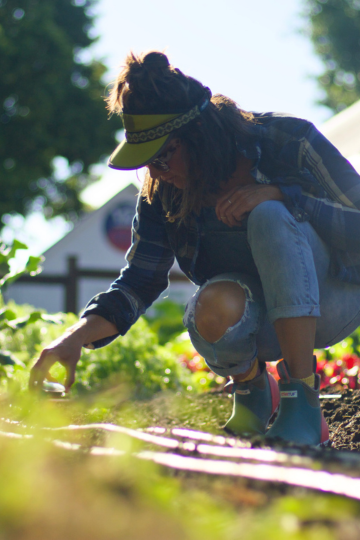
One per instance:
(283, 371)
(275, 393)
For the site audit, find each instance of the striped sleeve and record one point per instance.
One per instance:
(149, 261)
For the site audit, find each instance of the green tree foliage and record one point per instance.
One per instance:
(335, 33)
(51, 104)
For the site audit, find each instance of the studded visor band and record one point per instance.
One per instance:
(156, 132)
(164, 129)
(147, 134)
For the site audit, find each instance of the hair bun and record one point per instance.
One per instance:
(145, 69)
(148, 82)
(156, 61)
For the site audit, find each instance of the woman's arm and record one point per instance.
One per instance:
(112, 313)
(337, 225)
(238, 202)
(150, 259)
(67, 348)
(331, 169)
(337, 217)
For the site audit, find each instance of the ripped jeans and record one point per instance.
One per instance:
(293, 281)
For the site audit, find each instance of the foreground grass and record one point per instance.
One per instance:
(207, 412)
(47, 492)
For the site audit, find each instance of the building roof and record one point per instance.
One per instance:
(343, 130)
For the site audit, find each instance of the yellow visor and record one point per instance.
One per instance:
(145, 136)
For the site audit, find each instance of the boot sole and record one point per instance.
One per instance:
(230, 432)
(324, 444)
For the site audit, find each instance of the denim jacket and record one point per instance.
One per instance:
(318, 184)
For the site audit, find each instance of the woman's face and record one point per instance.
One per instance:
(175, 158)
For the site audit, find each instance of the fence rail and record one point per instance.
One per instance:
(70, 280)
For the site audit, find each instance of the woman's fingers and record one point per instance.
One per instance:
(66, 351)
(224, 202)
(41, 369)
(232, 208)
(70, 376)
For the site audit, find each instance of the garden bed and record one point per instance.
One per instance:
(210, 411)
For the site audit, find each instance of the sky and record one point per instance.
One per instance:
(256, 52)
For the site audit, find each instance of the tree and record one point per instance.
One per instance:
(52, 105)
(335, 33)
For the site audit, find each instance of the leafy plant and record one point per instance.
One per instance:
(165, 318)
(9, 319)
(152, 357)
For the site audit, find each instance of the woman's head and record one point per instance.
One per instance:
(149, 85)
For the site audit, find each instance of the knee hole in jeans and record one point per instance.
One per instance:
(220, 306)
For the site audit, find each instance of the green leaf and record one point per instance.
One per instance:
(34, 316)
(8, 359)
(7, 314)
(21, 322)
(10, 278)
(15, 246)
(16, 324)
(33, 265)
(53, 319)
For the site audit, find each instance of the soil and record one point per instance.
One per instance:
(210, 411)
(343, 418)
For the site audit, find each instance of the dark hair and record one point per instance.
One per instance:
(148, 84)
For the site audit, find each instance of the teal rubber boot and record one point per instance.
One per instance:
(300, 419)
(255, 402)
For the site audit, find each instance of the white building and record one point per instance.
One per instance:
(98, 242)
(88, 259)
(343, 130)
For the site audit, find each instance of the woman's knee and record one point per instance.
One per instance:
(220, 306)
(266, 219)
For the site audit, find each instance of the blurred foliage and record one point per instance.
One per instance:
(166, 319)
(335, 33)
(138, 360)
(55, 493)
(51, 104)
(9, 318)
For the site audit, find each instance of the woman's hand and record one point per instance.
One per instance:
(67, 349)
(240, 201)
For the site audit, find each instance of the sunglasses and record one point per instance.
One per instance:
(161, 162)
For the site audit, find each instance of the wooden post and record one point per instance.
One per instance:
(71, 289)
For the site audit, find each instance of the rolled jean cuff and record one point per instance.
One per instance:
(288, 312)
(244, 366)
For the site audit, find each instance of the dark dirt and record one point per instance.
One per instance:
(343, 418)
(210, 411)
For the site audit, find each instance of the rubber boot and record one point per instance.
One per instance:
(255, 402)
(300, 419)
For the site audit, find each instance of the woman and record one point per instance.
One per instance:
(260, 211)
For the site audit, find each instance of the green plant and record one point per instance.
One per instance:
(8, 317)
(144, 359)
(137, 359)
(165, 318)
(10, 321)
